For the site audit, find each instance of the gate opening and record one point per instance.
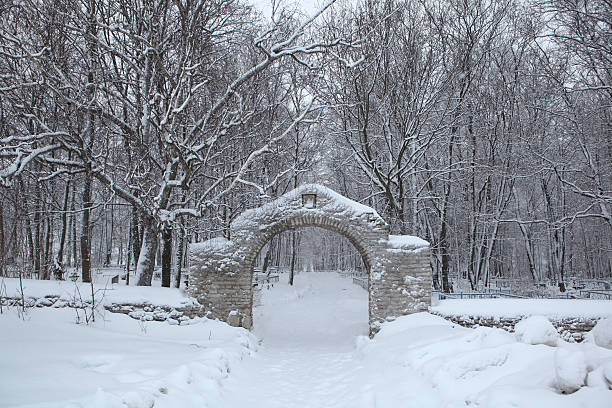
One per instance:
(310, 288)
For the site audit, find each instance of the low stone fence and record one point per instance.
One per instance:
(570, 329)
(140, 311)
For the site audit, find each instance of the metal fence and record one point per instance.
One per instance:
(497, 294)
(596, 294)
(261, 279)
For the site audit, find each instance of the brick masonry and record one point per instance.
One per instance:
(221, 270)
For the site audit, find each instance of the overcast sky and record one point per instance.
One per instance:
(308, 6)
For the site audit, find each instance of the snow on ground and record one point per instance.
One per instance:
(307, 357)
(313, 352)
(552, 308)
(49, 361)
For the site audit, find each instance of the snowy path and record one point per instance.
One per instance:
(294, 379)
(308, 356)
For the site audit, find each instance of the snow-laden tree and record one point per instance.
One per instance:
(169, 105)
(483, 126)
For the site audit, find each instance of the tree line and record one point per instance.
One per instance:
(130, 128)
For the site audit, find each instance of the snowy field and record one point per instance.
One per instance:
(308, 349)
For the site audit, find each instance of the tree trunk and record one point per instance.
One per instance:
(136, 234)
(180, 251)
(166, 258)
(146, 259)
(128, 261)
(528, 241)
(2, 244)
(48, 248)
(59, 260)
(74, 229)
(158, 253)
(443, 247)
(268, 257)
(85, 239)
(109, 237)
(88, 144)
(293, 256)
(37, 234)
(30, 239)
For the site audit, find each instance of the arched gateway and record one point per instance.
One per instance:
(221, 270)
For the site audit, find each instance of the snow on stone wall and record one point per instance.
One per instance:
(221, 270)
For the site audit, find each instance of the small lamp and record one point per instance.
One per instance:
(309, 200)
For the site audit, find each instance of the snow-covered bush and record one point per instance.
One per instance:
(602, 333)
(536, 330)
(570, 370)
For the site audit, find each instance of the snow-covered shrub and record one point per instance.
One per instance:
(570, 370)
(602, 333)
(536, 330)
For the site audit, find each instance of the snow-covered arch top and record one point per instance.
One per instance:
(311, 205)
(399, 272)
(328, 202)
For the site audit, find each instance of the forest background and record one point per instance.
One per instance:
(130, 128)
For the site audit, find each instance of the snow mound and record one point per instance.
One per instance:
(489, 337)
(570, 370)
(410, 322)
(607, 372)
(602, 333)
(536, 330)
(469, 365)
(597, 378)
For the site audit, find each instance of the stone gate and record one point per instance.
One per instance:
(221, 270)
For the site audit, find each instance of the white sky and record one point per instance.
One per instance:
(309, 7)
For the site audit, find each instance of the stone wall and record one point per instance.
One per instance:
(400, 284)
(571, 329)
(140, 311)
(221, 270)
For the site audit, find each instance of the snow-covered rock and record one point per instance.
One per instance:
(570, 370)
(602, 333)
(536, 330)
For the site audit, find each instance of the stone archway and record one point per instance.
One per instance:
(221, 270)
